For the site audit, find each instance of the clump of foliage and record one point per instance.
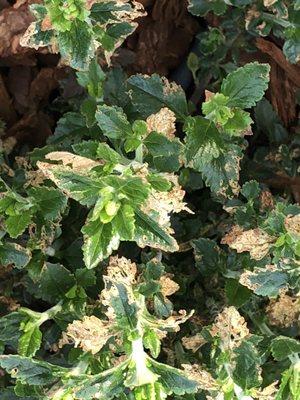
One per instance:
(134, 200)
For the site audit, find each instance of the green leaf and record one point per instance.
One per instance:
(9, 327)
(247, 361)
(208, 256)
(50, 202)
(124, 222)
(283, 346)
(75, 45)
(81, 188)
(149, 233)
(236, 293)
(12, 253)
(30, 340)
(30, 371)
(151, 93)
(246, 85)
(173, 380)
(54, 282)
(269, 123)
(202, 7)
(152, 342)
(107, 385)
(87, 148)
(251, 190)
(113, 122)
(222, 173)
(291, 47)
(203, 142)
(16, 224)
(92, 79)
(165, 153)
(268, 282)
(99, 242)
(106, 153)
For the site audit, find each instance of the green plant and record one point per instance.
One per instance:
(113, 177)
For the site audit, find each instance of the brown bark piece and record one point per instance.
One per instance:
(7, 112)
(13, 23)
(284, 79)
(163, 37)
(292, 71)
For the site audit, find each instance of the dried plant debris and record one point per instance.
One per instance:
(256, 241)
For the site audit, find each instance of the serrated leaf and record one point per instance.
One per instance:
(81, 188)
(113, 122)
(246, 85)
(9, 327)
(12, 253)
(283, 346)
(165, 153)
(30, 371)
(16, 224)
(203, 142)
(92, 79)
(250, 190)
(151, 93)
(87, 148)
(208, 256)
(173, 380)
(265, 282)
(237, 294)
(54, 282)
(124, 222)
(30, 340)
(106, 153)
(247, 372)
(222, 173)
(50, 202)
(76, 46)
(202, 7)
(99, 242)
(149, 233)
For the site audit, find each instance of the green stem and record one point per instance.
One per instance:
(49, 314)
(139, 153)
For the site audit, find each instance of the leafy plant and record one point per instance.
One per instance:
(136, 207)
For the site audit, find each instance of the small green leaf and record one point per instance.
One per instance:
(12, 253)
(124, 222)
(283, 346)
(30, 371)
(54, 282)
(30, 340)
(99, 242)
(236, 293)
(151, 93)
(203, 142)
(247, 85)
(16, 224)
(165, 153)
(151, 341)
(247, 361)
(50, 202)
(149, 233)
(92, 79)
(113, 122)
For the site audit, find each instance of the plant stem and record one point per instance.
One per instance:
(139, 154)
